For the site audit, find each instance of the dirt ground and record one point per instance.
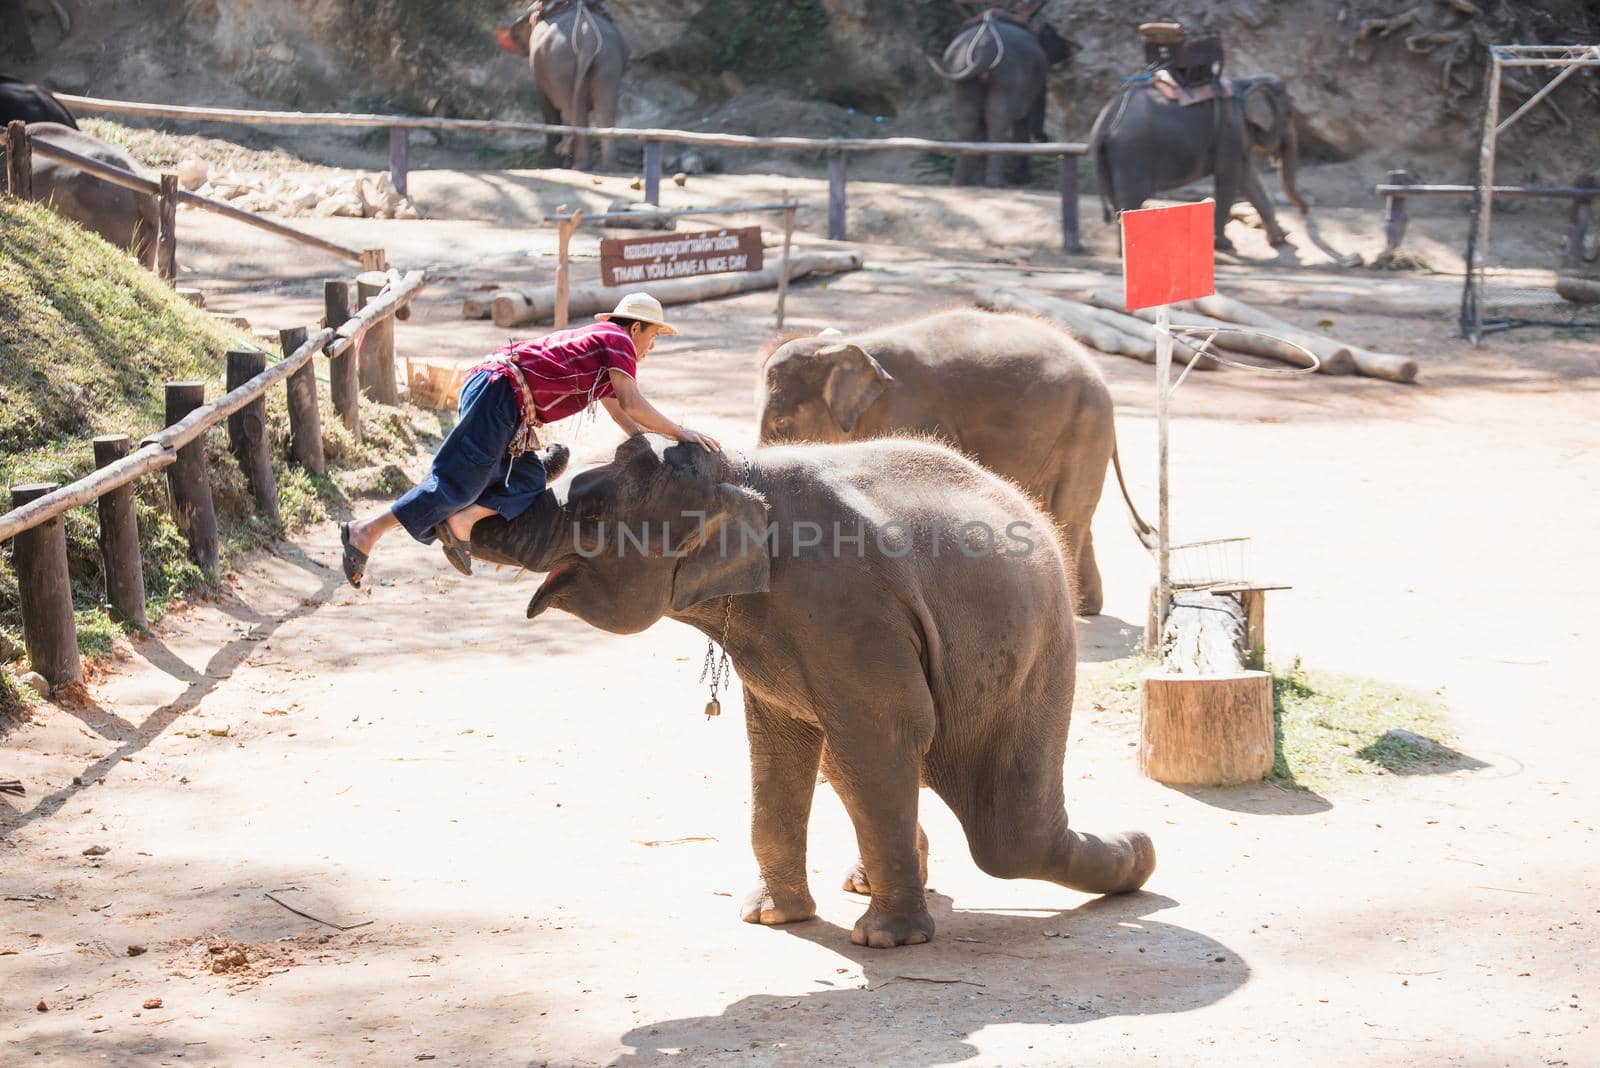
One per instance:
(543, 842)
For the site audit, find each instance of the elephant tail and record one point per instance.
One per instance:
(964, 59)
(1142, 530)
(583, 25)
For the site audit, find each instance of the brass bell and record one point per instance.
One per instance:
(713, 708)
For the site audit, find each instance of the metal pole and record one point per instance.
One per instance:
(1163, 539)
(783, 271)
(652, 172)
(1480, 248)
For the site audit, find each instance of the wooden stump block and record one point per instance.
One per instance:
(1205, 730)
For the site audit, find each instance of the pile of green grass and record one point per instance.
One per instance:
(1329, 725)
(88, 339)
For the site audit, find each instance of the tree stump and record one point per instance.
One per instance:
(1204, 720)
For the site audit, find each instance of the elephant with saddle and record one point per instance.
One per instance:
(1143, 144)
(577, 56)
(1011, 391)
(127, 219)
(898, 615)
(997, 67)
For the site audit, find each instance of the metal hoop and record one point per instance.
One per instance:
(1201, 350)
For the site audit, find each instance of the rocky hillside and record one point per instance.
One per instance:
(1397, 79)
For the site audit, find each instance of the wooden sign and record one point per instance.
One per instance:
(1167, 255)
(636, 260)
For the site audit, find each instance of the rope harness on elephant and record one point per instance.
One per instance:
(969, 58)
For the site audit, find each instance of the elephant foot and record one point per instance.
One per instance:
(883, 929)
(856, 882)
(770, 909)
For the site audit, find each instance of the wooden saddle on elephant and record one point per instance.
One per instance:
(1184, 70)
(548, 10)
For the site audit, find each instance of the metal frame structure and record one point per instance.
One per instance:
(1570, 59)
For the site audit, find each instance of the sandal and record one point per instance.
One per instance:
(355, 561)
(455, 550)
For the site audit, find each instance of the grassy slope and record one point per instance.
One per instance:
(87, 340)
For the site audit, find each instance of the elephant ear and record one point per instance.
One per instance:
(854, 382)
(728, 553)
(1261, 110)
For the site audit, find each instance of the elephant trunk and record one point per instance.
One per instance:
(1288, 164)
(536, 539)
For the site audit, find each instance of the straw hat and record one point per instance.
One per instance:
(641, 307)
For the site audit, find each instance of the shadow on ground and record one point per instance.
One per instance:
(1105, 958)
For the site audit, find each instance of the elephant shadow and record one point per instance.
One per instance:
(920, 1004)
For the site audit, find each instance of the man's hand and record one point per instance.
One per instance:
(694, 437)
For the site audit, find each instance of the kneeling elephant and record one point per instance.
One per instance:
(898, 615)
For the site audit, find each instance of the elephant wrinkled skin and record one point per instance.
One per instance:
(923, 657)
(1010, 391)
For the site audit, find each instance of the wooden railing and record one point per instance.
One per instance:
(835, 148)
(361, 353)
(1399, 187)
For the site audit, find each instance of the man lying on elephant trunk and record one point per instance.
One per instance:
(487, 464)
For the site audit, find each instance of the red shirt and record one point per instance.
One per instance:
(569, 370)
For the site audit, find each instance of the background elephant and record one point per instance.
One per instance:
(998, 70)
(1143, 144)
(31, 103)
(902, 663)
(121, 216)
(1010, 391)
(577, 58)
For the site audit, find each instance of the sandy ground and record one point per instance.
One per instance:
(545, 842)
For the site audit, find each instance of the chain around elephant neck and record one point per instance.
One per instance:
(718, 669)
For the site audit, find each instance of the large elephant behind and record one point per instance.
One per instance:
(1143, 144)
(123, 217)
(879, 636)
(31, 103)
(997, 71)
(577, 56)
(1010, 391)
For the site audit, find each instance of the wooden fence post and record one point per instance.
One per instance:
(1394, 213)
(19, 160)
(167, 230)
(783, 271)
(305, 417)
(1578, 228)
(374, 259)
(837, 230)
(344, 371)
(652, 172)
(189, 481)
(44, 590)
(247, 434)
(1070, 240)
(119, 539)
(564, 231)
(399, 152)
(377, 347)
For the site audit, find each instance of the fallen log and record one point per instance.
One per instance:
(1372, 364)
(539, 304)
(1075, 319)
(1228, 337)
(1182, 351)
(1578, 290)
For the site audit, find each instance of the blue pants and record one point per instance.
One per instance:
(474, 465)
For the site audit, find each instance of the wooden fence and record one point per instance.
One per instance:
(1399, 187)
(836, 149)
(360, 348)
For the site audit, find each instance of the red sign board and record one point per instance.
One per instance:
(1167, 255)
(627, 261)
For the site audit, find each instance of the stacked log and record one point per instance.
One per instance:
(1098, 319)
